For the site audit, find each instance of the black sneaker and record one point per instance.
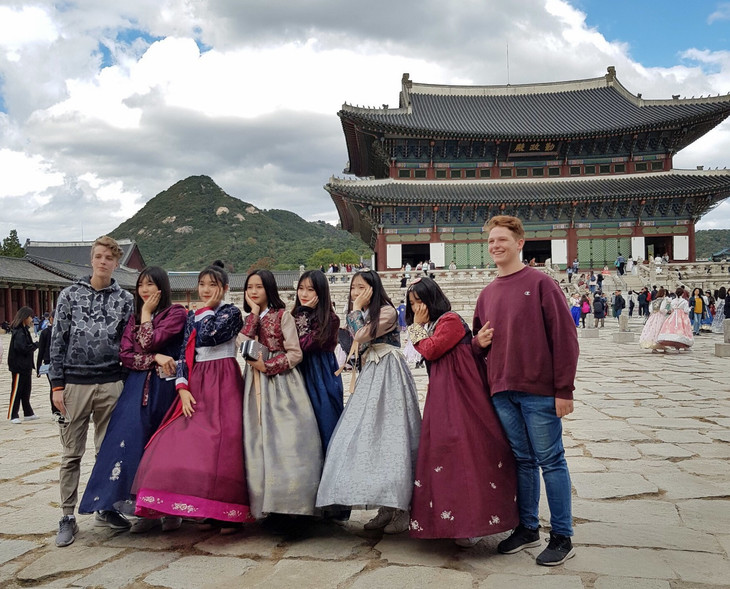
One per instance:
(520, 538)
(559, 549)
(67, 529)
(111, 519)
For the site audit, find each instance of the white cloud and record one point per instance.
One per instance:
(256, 110)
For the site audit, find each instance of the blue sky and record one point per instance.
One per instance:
(658, 32)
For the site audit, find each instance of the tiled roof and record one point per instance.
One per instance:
(126, 278)
(188, 281)
(73, 252)
(675, 183)
(23, 271)
(566, 109)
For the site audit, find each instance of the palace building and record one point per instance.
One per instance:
(586, 165)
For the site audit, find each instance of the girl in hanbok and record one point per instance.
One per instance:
(658, 310)
(281, 438)
(318, 326)
(150, 346)
(466, 479)
(372, 455)
(676, 331)
(575, 308)
(717, 322)
(193, 466)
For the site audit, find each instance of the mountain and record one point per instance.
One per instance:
(710, 241)
(195, 222)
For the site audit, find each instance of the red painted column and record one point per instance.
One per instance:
(381, 258)
(572, 236)
(21, 298)
(692, 251)
(37, 303)
(8, 305)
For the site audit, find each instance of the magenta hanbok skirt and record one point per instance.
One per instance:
(194, 467)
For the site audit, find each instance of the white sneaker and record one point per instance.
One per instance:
(400, 523)
(384, 517)
(16, 420)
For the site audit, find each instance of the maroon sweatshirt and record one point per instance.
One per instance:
(535, 345)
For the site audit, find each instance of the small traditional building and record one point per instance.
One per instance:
(586, 165)
(79, 252)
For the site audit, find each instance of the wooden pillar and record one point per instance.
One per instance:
(21, 298)
(381, 258)
(37, 303)
(692, 251)
(8, 305)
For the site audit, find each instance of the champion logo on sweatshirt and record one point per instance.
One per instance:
(527, 293)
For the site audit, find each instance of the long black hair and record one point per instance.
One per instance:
(216, 273)
(22, 314)
(379, 298)
(323, 311)
(160, 279)
(431, 295)
(272, 292)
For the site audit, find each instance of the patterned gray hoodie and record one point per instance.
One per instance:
(87, 333)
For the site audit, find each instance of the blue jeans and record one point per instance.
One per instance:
(696, 321)
(535, 433)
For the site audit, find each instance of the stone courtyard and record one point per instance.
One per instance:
(648, 448)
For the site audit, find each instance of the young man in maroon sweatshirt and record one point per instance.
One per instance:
(525, 332)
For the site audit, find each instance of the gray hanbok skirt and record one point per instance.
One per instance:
(283, 450)
(372, 454)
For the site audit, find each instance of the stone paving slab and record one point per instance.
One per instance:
(648, 512)
(72, 558)
(644, 536)
(414, 577)
(194, 572)
(517, 582)
(711, 516)
(628, 583)
(609, 485)
(124, 571)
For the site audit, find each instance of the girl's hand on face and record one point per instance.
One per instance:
(187, 401)
(363, 299)
(258, 364)
(312, 304)
(216, 298)
(150, 305)
(255, 309)
(420, 314)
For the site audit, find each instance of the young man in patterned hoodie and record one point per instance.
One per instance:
(85, 372)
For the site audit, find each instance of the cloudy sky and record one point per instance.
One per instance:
(105, 104)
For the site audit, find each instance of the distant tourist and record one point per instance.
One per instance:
(44, 360)
(21, 365)
(86, 373)
(676, 331)
(660, 306)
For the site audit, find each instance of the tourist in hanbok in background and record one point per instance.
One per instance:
(720, 298)
(193, 465)
(630, 265)
(372, 454)
(466, 480)
(318, 326)
(676, 331)
(281, 437)
(706, 323)
(149, 350)
(575, 308)
(659, 307)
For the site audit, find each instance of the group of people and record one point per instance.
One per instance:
(676, 318)
(182, 432)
